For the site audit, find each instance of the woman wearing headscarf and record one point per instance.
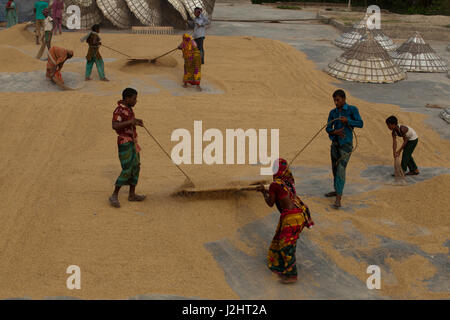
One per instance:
(294, 217)
(192, 61)
(11, 14)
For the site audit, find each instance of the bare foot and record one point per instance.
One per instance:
(335, 206)
(337, 203)
(136, 197)
(114, 201)
(331, 194)
(105, 79)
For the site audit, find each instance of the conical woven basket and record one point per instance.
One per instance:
(90, 13)
(178, 5)
(204, 4)
(415, 55)
(125, 13)
(348, 39)
(148, 12)
(208, 5)
(117, 12)
(366, 61)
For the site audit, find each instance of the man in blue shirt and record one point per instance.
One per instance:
(340, 132)
(39, 6)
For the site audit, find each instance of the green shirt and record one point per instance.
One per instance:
(39, 6)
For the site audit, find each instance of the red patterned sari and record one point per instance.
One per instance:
(281, 256)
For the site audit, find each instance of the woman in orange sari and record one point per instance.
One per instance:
(294, 217)
(192, 61)
(56, 58)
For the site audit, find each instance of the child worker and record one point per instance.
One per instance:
(93, 55)
(48, 32)
(124, 122)
(410, 140)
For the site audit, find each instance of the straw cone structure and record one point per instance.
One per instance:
(415, 55)
(348, 39)
(126, 13)
(366, 61)
(117, 12)
(148, 12)
(178, 6)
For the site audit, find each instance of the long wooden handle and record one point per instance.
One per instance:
(165, 54)
(116, 51)
(189, 179)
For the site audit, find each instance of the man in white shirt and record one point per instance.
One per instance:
(199, 24)
(48, 32)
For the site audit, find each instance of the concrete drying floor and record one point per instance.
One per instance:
(320, 278)
(247, 274)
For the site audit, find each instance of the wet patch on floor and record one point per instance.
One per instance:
(400, 250)
(250, 278)
(96, 87)
(383, 174)
(315, 182)
(176, 89)
(36, 81)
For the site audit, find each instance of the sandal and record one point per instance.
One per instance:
(137, 198)
(413, 173)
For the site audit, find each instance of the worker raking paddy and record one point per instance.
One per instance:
(294, 216)
(125, 122)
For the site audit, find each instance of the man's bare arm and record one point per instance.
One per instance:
(394, 143)
(118, 125)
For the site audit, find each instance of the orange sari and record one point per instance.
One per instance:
(56, 55)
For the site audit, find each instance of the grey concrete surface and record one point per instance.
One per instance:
(176, 89)
(248, 276)
(312, 181)
(36, 82)
(315, 40)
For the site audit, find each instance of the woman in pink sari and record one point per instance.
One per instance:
(57, 11)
